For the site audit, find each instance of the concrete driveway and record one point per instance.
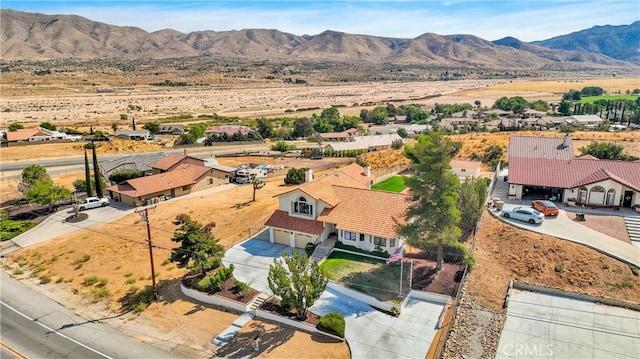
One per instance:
(251, 260)
(374, 334)
(56, 225)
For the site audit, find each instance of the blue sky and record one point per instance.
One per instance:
(490, 20)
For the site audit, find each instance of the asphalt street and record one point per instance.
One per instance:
(35, 326)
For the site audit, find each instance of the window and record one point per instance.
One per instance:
(350, 236)
(210, 180)
(377, 241)
(361, 237)
(463, 170)
(185, 188)
(392, 242)
(582, 195)
(596, 195)
(611, 197)
(302, 207)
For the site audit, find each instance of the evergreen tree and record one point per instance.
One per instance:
(96, 172)
(87, 175)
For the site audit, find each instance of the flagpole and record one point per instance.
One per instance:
(401, 266)
(411, 274)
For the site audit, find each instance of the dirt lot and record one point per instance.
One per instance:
(504, 252)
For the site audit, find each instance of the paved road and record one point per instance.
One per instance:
(36, 326)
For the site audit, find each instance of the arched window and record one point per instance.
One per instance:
(582, 195)
(596, 195)
(302, 207)
(611, 197)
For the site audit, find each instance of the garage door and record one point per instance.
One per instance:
(281, 237)
(302, 240)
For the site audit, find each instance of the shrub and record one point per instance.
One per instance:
(332, 323)
(295, 176)
(45, 279)
(559, 268)
(309, 248)
(91, 280)
(377, 253)
(243, 288)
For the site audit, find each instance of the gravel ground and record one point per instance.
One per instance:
(476, 330)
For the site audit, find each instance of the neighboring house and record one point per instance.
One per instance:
(229, 130)
(395, 119)
(454, 123)
(414, 130)
(339, 204)
(586, 121)
(346, 135)
(172, 161)
(533, 113)
(138, 161)
(174, 175)
(171, 129)
(547, 167)
(465, 169)
(369, 143)
(497, 112)
(133, 135)
(38, 134)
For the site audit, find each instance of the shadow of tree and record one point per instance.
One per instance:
(381, 282)
(269, 337)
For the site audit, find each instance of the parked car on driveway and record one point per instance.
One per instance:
(93, 202)
(547, 208)
(526, 214)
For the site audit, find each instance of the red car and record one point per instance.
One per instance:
(548, 208)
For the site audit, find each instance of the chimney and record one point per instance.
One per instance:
(308, 175)
(566, 142)
(367, 171)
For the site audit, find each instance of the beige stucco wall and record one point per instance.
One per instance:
(607, 185)
(284, 204)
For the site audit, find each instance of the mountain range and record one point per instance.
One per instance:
(44, 37)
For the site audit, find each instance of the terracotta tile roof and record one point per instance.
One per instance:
(229, 129)
(281, 219)
(365, 142)
(367, 211)
(186, 174)
(572, 173)
(472, 165)
(171, 160)
(321, 187)
(25, 133)
(539, 147)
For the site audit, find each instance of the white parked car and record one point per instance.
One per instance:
(93, 202)
(526, 214)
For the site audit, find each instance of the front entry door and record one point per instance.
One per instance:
(626, 199)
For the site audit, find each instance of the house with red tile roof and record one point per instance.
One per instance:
(547, 167)
(174, 176)
(339, 204)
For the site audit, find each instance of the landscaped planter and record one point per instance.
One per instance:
(216, 299)
(293, 323)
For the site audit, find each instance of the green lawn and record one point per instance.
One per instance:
(391, 184)
(591, 99)
(367, 275)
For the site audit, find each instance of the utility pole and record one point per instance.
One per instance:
(144, 213)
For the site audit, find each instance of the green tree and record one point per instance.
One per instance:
(472, 196)
(45, 192)
(87, 177)
(492, 155)
(302, 127)
(265, 127)
(30, 175)
(96, 173)
(15, 127)
(48, 126)
(592, 91)
(114, 127)
(197, 130)
(565, 108)
(198, 250)
(298, 281)
(402, 132)
(295, 176)
(282, 147)
(152, 127)
(257, 184)
(432, 215)
(606, 151)
(125, 174)
(330, 114)
(186, 139)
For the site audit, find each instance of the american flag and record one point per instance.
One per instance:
(396, 256)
